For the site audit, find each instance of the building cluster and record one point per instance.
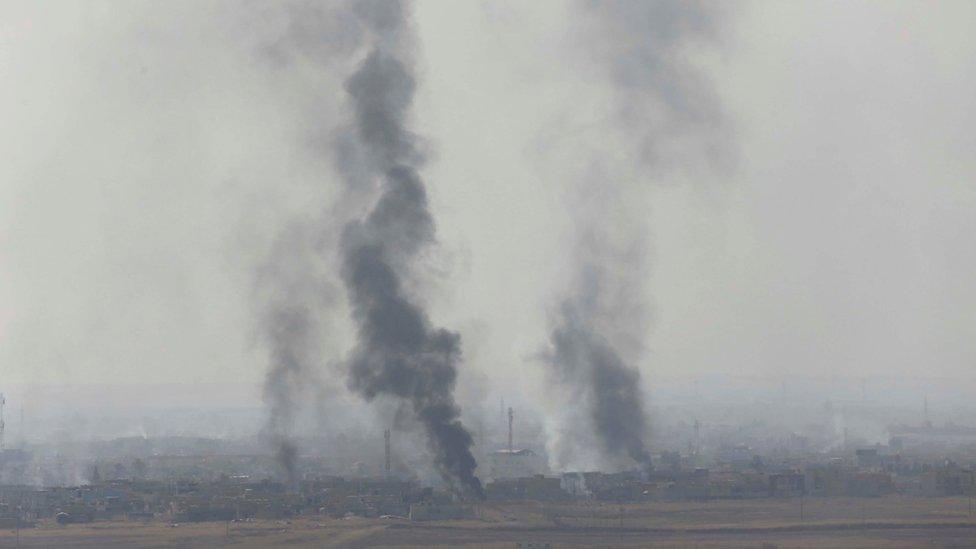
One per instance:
(187, 480)
(230, 499)
(739, 473)
(868, 473)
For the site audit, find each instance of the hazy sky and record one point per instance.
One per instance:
(153, 149)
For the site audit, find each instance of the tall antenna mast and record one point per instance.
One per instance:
(511, 416)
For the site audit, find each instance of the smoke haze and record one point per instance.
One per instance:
(178, 176)
(294, 298)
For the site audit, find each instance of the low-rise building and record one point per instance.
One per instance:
(504, 464)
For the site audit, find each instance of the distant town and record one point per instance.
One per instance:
(183, 479)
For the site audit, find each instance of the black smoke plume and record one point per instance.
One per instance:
(667, 113)
(398, 352)
(584, 357)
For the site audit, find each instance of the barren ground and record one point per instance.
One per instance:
(891, 522)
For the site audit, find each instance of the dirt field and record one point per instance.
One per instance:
(891, 522)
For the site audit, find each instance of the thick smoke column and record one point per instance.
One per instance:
(666, 111)
(588, 342)
(582, 356)
(398, 352)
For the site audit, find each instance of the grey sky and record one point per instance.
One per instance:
(151, 152)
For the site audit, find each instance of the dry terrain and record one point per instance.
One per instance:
(890, 522)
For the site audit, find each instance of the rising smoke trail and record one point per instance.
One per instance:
(668, 112)
(398, 352)
(303, 43)
(612, 388)
(666, 105)
(291, 295)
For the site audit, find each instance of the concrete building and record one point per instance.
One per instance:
(787, 484)
(510, 464)
(538, 487)
(950, 480)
